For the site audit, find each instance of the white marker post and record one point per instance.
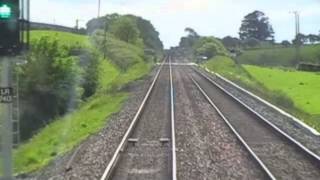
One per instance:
(6, 116)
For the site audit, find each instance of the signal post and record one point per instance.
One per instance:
(14, 40)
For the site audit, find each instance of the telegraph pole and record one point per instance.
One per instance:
(297, 22)
(99, 7)
(297, 29)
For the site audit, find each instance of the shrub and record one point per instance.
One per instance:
(49, 84)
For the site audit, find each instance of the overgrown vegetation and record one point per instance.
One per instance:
(80, 87)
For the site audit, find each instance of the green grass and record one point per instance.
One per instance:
(228, 68)
(302, 87)
(65, 133)
(68, 39)
(280, 56)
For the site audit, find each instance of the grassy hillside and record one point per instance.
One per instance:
(68, 39)
(296, 92)
(301, 87)
(229, 69)
(67, 132)
(280, 56)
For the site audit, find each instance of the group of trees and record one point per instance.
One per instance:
(256, 25)
(129, 28)
(256, 30)
(202, 46)
(303, 39)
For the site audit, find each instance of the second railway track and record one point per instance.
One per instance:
(279, 155)
(147, 151)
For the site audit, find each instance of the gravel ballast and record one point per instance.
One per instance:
(281, 157)
(285, 123)
(206, 147)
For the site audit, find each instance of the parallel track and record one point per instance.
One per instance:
(119, 154)
(278, 154)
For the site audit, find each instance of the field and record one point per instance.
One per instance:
(302, 87)
(294, 91)
(280, 56)
(67, 132)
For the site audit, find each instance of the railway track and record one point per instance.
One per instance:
(147, 150)
(278, 154)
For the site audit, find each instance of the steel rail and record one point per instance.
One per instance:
(173, 136)
(235, 132)
(274, 127)
(109, 169)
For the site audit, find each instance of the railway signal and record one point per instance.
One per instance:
(13, 25)
(5, 11)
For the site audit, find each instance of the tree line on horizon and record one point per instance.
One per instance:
(255, 31)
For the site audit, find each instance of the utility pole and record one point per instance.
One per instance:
(77, 23)
(297, 22)
(297, 37)
(99, 7)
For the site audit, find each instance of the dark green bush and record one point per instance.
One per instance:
(49, 84)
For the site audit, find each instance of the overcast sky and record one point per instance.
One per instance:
(170, 17)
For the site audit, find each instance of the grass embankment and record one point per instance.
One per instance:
(280, 56)
(67, 132)
(293, 91)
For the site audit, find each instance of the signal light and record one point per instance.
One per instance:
(5, 11)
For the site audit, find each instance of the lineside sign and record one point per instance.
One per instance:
(6, 94)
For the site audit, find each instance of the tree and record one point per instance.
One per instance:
(300, 39)
(101, 23)
(191, 32)
(149, 34)
(125, 29)
(285, 43)
(209, 47)
(231, 42)
(190, 39)
(313, 38)
(256, 25)
(147, 31)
